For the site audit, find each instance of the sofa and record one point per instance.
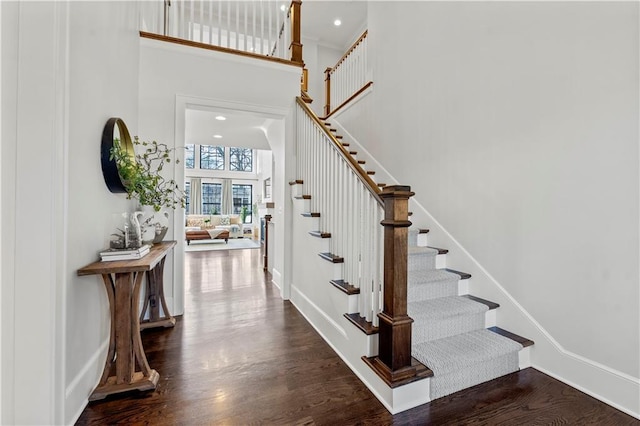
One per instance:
(203, 222)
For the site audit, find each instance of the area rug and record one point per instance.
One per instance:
(233, 244)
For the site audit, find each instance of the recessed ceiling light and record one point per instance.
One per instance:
(217, 136)
(283, 8)
(337, 22)
(221, 118)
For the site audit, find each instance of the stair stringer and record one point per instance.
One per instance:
(324, 307)
(611, 386)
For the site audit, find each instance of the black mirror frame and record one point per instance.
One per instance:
(110, 167)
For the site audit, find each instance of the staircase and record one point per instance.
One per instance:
(455, 343)
(450, 333)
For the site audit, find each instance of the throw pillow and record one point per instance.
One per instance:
(224, 220)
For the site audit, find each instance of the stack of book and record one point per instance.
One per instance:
(124, 254)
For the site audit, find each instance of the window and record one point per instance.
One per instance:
(211, 198)
(212, 157)
(189, 156)
(240, 159)
(187, 193)
(242, 195)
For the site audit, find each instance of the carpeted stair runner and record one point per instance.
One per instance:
(449, 334)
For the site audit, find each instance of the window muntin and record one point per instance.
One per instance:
(242, 196)
(211, 157)
(189, 156)
(241, 159)
(187, 193)
(211, 198)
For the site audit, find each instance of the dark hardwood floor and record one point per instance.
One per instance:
(241, 355)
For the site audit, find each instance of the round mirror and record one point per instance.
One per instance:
(115, 131)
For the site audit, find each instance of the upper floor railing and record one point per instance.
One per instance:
(263, 28)
(347, 78)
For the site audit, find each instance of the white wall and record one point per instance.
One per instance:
(516, 124)
(72, 66)
(318, 58)
(173, 78)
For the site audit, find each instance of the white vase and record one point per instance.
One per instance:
(154, 225)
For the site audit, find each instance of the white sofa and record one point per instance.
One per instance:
(231, 223)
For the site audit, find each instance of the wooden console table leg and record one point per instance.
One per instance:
(154, 300)
(125, 344)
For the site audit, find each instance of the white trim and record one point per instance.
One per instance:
(351, 103)
(368, 376)
(320, 311)
(241, 59)
(588, 392)
(84, 377)
(625, 379)
(182, 103)
(276, 278)
(101, 351)
(526, 313)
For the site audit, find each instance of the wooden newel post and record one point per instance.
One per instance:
(327, 91)
(394, 360)
(267, 219)
(295, 48)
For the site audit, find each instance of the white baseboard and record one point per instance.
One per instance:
(276, 278)
(610, 386)
(394, 400)
(78, 390)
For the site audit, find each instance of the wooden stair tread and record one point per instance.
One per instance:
(522, 340)
(422, 372)
(490, 304)
(296, 182)
(310, 214)
(371, 172)
(353, 152)
(320, 234)
(345, 287)
(331, 257)
(362, 162)
(423, 231)
(365, 326)
(338, 137)
(440, 250)
(381, 185)
(303, 197)
(463, 275)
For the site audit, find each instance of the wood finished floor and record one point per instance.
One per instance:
(241, 355)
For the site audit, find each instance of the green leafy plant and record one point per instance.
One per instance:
(142, 174)
(243, 213)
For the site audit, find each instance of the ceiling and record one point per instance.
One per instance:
(238, 130)
(318, 16)
(247, 131)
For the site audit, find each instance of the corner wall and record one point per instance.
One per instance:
(516, 124)
(63, 75)
(175, 77)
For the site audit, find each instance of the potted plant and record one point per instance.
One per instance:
(243, 213)
(142, 178)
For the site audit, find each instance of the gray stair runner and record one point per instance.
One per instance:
(449, 334)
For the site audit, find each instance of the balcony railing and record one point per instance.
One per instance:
(263, 28)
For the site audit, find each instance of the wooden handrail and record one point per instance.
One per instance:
(190, 43)
(327, 108)
(351, 49)
(371, 186)
(294, 48)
